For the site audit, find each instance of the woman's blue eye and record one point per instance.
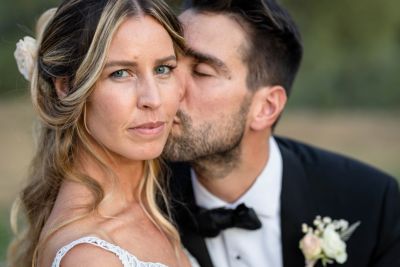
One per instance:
(162, 70)
(120, 74)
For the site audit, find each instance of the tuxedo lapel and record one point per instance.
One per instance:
(197, 247)
(297, 206)
(184, 205)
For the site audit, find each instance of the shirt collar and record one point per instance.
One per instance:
(263, 196)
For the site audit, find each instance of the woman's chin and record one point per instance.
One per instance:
(148, 154)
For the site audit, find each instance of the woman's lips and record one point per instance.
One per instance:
(149, 129)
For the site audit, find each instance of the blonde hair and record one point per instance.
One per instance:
(73, 41)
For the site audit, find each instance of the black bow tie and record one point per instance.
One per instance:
(211, 222)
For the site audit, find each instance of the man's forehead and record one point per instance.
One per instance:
(213, 34)
(211, 25)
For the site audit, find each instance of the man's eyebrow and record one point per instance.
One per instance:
(218, 64)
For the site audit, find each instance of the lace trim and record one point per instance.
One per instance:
(127, 259)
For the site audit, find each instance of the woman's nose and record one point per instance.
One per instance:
(149, 95)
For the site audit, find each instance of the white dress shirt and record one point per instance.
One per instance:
(235, 247)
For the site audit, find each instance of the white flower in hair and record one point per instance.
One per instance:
(25, 56)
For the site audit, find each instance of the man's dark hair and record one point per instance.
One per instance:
(273, 50)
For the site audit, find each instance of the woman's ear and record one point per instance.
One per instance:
(268, 104)
(62, 87)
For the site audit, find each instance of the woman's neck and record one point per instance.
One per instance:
(118, 177)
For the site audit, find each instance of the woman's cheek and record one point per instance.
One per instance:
(172, 97)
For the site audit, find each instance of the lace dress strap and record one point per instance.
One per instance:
(127, 259)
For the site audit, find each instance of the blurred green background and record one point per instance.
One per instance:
(346, 97)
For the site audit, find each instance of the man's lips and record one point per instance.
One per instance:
(149, 128)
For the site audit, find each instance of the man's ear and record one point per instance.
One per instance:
(268, 104)
(62, 87)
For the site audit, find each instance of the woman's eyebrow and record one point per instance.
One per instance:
(132, 64)
(165, 59)
(120, 63)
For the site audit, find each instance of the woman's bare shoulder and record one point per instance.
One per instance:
(66, 235)
(89, 255)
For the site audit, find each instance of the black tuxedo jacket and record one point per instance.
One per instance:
(315, 182)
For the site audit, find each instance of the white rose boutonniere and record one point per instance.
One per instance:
(25, 54)
(326, 241)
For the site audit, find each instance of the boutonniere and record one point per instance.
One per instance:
(326, 241)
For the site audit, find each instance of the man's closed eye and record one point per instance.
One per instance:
(204, 70)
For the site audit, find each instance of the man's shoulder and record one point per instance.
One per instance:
(328, 165)
(340, 187)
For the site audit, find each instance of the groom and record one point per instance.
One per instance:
(242, 58)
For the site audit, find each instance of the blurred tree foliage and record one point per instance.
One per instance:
(352, 50)
(352, 53)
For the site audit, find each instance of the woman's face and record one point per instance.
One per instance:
(131, 109)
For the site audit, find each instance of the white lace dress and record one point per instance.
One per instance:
(127, 259)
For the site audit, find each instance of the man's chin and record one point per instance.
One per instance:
(171, 150)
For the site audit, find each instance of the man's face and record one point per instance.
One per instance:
(212, 117)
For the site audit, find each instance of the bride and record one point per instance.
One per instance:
(106, 90)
